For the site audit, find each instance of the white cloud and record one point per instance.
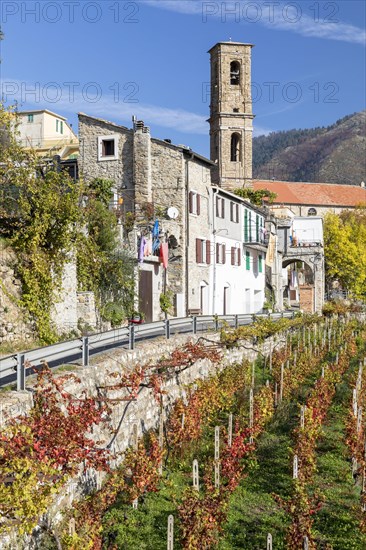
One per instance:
(38, 96)
(286, 16)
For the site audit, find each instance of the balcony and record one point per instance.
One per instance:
(302, 247)
(258, 241)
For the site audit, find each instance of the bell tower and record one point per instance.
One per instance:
(231, 118)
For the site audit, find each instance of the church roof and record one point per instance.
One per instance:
(313, 194)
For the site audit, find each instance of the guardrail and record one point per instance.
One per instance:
(18, 366)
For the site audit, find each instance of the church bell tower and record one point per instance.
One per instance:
(231, 117)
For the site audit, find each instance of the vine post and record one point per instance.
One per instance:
(170, 542)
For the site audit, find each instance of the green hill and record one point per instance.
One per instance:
(334, 154)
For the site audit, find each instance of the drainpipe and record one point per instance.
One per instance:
(214, 193)
(187, 232)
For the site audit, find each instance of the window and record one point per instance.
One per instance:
(312, 212)
(194, 201)
(220, 253)
(235, 256)
(235, 148)
(234, 212)
(108, 147)
(250, 226)
(234, 73)
(57, 122)
(260, 263)
(256, 228)
(246, 231)
(30, 118)
(247, 261)
(203, 251)
(235, 110)
(220, 207)
(61, 127)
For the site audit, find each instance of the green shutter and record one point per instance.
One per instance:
(247, 260)
(250, 226)
(260, 265)
(246, 225)
(61, 127)
(246, 233)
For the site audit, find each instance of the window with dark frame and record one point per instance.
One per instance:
(235, 256)
(203, 251)
(108, 147)
(194, 202)
(220, 207)
(234, 212)
(220, 253)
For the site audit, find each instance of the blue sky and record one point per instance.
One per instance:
(113, 59)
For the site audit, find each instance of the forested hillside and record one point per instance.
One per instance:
(334, 154)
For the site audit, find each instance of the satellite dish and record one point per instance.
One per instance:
(172, 213)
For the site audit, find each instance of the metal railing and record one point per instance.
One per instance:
(16, 367)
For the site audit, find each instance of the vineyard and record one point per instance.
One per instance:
(267, 454)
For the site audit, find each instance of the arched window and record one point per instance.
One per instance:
(234, 73)
(312, 212)
(235, 148)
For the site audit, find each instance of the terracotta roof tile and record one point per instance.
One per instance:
(313, 194)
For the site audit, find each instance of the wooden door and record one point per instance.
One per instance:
(146, 295)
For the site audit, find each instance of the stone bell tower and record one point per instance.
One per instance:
(231, 118)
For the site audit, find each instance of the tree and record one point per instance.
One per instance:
(345, 249)
(40, 206)
(48, 218)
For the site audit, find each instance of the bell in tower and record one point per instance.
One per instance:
(231, 117)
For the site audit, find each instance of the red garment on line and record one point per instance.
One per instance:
(164, 254)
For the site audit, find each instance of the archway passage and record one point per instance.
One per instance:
(298, 285)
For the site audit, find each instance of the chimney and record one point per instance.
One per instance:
(141, 166)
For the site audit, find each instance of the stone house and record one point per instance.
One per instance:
(163, 189)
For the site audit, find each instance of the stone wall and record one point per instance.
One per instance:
(307, 299)
(13, 324)
(64, 308)
(119, 170)
(144, 413)
(86, 310)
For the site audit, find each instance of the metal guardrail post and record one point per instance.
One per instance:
(167, 329)
(194, 325)
(131, 337)
(236, 321)
(216, 323)
(85, 351)
(20, 372)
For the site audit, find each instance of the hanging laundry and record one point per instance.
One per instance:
(148, 247)
(155, 229)
(155, 237)
(141, 250)
(164, 250)
(294, 280)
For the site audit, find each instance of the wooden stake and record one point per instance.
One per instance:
(170, 545)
